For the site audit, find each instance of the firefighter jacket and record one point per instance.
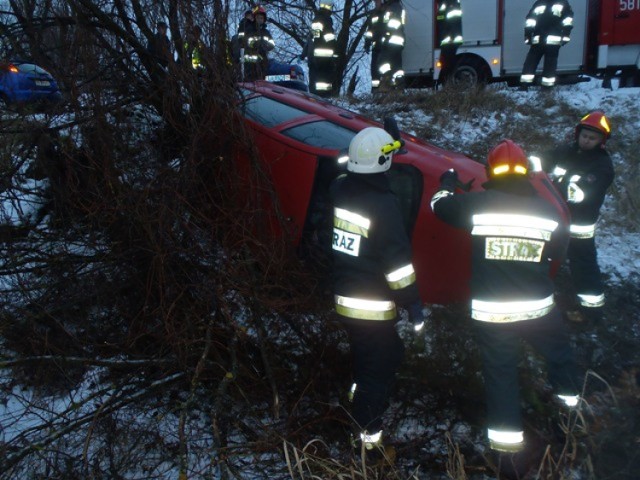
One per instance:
(258, 43)
(583, 178)
(549, 22)
(449, 21)
(386, 26)
(323, 37)
(372, 269)
(513, 240)
(194, 50)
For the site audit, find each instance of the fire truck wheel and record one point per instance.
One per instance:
(470, 71)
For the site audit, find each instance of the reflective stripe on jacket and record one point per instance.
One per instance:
(513, 239)
(372, 268)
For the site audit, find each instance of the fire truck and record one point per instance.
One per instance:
(605, 42)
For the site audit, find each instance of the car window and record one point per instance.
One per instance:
(30, 68)
(269, 112)
(321, 134)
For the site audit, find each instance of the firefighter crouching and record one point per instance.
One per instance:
(513, 239)
(385, 38)
(372, 273)
(547, 27)
(583, 172)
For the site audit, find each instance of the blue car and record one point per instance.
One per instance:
(287, 75)
(23, 83)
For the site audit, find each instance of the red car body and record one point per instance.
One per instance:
(299, 137)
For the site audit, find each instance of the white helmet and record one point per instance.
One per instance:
(328, 4)
(367, 152)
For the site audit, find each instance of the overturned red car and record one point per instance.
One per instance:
(301, 139)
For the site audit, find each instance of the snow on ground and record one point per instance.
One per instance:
(617, 245)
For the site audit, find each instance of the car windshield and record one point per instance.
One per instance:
(269, 112)
(321, 134)
(31, 68)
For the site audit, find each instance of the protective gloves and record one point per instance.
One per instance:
(416, 316)
(449, 179)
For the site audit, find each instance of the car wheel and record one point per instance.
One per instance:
(470, 71)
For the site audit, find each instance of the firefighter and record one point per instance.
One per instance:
(321, 51)
(258, 44)
(547, 27)
(513, 234)
(449, 22)
(583, 172)
(160, 46)
(372, 273)
(385, 39)
(194, 48)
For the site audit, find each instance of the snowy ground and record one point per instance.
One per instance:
(618, 244)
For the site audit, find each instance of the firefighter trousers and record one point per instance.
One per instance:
(583, 264)
(535, 54)
(500, 348)
(377, 352)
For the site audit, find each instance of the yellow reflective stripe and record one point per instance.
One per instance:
(582, 231)
(505, 312)
(323, 52)
(591, 301)
(371, 440)
(401, 277)
(526, 226)
(364, 309)
(506, 440)
(554, 39)
(395, 23)
(569, 400)
(351, 222)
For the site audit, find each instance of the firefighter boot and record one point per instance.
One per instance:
(516, 465)
(372, 453)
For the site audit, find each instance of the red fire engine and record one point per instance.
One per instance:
(605, 42)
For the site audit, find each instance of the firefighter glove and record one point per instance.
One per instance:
(449, 179)
(416, 316)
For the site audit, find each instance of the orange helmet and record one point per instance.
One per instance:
(506, 158)
(597, 121)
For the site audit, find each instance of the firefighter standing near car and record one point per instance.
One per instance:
(372, 273)
(321, 51)
(547, 27)
(583, 172)
(385, 39)
(449, 22)
(513, 234)
(194, 48)
(258, 44)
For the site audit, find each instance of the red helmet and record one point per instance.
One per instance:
(507, 158)
(597, 121)
(260, 9)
